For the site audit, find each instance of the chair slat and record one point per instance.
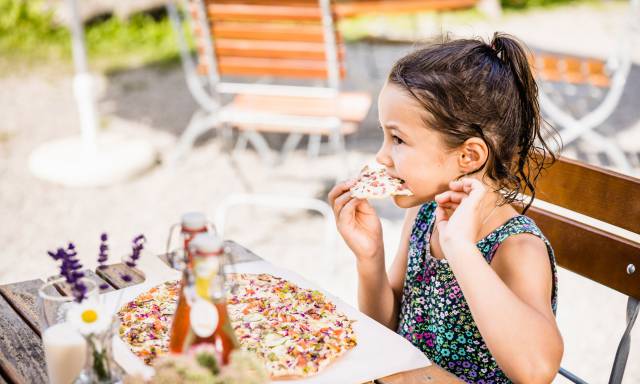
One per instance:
(21, 354)
(270, 31)
(273, 67)
(349, 106)
(253, 12)
(591, 252)
(360, 7)
(592, 191)
(23, 297)
(272, 49)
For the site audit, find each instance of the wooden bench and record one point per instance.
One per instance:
(591, 216)
(22, 357)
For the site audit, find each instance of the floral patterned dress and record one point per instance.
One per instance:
(434, 314)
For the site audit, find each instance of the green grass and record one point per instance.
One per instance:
(29, 39)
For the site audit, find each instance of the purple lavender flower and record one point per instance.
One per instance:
(71, 270)
(137, 245)
(103, 256)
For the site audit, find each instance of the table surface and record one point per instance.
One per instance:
(22, 356)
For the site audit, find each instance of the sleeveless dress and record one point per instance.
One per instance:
(434, 314)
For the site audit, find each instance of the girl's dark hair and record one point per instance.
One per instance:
(473, 89)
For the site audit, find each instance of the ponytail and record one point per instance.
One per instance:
(512, 53)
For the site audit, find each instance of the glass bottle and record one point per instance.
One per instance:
(207, 318)
(191, 224)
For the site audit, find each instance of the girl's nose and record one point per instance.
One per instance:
(382, 157)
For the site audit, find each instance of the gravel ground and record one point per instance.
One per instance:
(154, 104)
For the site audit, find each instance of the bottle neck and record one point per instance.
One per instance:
(208, 275)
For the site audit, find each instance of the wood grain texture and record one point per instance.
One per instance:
(23, 297)
(431, 374)
(592, 191)
(21, 353)
(114, 274)
(591, 252)
(102, 284)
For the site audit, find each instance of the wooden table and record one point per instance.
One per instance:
(21, 354)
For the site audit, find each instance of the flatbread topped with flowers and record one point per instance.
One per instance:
(145, 321)
(377, 184)
(296, 332)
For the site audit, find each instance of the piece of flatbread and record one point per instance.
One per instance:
(377, 184)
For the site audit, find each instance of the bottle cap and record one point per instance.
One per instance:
(194, 221)
(206, 243)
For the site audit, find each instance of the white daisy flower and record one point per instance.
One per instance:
(89, 318)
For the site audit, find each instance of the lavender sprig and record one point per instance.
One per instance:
(137, 245)
(103, 256)
(70, 269)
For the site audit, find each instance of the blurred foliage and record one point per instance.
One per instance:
(521, 4)
(29, 36)
(26, 30)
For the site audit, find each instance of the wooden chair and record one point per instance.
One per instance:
(591, 216)
(272, 42)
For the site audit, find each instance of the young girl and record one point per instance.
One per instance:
(473, 284)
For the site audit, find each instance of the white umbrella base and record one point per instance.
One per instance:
(116, 158)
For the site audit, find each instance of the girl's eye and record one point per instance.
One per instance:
(396, 140)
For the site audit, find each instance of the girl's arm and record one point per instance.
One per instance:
(398, 270)
(510, 304)
(510, 300)
(359, 226)
(378, 295)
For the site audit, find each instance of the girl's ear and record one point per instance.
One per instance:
(472, 155)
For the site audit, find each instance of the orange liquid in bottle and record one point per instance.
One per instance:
(222, 339)
(183, 335)
(181, 320)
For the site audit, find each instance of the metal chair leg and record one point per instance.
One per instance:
(313, 150)
(622, 354)
(200, 122)
(571, 377)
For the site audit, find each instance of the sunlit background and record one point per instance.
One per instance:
(141, 95)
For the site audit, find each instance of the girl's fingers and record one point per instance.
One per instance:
(349, 208)
(340, 202)
(451, 206)
(472, 187)
(450, 196)
(339, 189)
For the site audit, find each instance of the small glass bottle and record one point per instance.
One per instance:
(207, 320)
(191, 224)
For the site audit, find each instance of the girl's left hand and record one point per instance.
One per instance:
(458, 213)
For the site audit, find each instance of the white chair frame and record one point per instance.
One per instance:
(583, 128)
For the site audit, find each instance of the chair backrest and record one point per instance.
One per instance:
(276, 38)
(572, 70)
(591, 216)
(601, 250)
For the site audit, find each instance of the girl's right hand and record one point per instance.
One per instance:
(357, 223)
